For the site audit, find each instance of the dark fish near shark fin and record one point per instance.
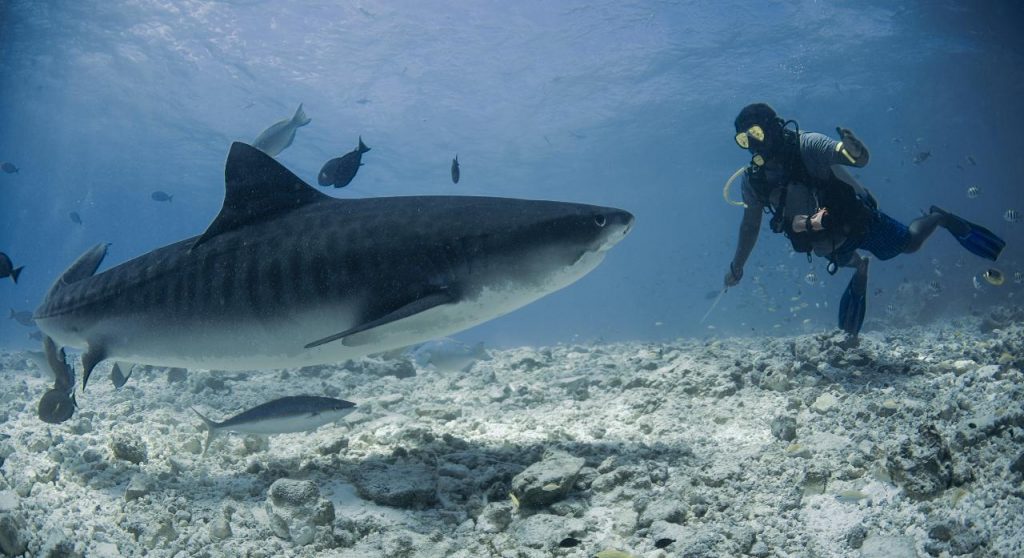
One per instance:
(56, 406)
(340, 171)
(257, 188)
(407, 311)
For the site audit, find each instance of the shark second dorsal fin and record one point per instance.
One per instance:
(84, 266)
(256, 188)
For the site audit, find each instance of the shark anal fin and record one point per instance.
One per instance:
(415, 307)
(118, 375)
(256, 188)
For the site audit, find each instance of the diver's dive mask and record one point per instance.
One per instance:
(743, 138)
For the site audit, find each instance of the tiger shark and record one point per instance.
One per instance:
(287, 276)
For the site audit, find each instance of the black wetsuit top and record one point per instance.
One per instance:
(803, 179)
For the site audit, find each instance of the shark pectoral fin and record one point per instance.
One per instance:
(407, 311)
(90, 358)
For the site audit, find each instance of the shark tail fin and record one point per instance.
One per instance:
(16, 272)
(362, 146)
(300, 118)
(211, 429)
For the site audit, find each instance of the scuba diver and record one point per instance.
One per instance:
(800, 180)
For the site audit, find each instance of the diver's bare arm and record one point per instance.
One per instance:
(749, 228)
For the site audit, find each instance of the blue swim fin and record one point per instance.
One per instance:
(854, 304)
(977, 239)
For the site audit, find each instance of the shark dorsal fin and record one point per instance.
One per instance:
(257, 188)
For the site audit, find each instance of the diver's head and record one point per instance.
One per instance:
(759, 131)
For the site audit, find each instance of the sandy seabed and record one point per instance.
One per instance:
(909, 444)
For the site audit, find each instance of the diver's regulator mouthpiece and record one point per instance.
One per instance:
(728, 184)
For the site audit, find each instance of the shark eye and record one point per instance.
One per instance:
(600, 220)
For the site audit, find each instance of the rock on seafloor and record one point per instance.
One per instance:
(546, 481)
(907, 444)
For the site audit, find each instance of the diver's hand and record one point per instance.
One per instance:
(818, 220)
(733, 276)
(853, 145)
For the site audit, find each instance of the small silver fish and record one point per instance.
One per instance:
(23, 317)
(279, 136)
(973, 192)
(449, 355)
(298, 413)
(811, 278)
(890, 309)
(1011, 216)
(993, 276)
(976, 282)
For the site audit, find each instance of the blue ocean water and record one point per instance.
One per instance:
(628, 104)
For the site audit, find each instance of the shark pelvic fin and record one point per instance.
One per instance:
(415, 307)
(257, 188)
(94, 355)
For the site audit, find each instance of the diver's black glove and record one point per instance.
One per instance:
(853, 145)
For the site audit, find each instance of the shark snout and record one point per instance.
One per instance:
(614, 225)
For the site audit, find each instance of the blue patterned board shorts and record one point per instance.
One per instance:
(886, 237)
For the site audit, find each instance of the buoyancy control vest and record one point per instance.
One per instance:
(786, 188)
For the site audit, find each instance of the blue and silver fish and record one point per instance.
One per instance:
(298, 413)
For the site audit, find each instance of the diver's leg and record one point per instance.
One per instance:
(858, 262)
(923, 227)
